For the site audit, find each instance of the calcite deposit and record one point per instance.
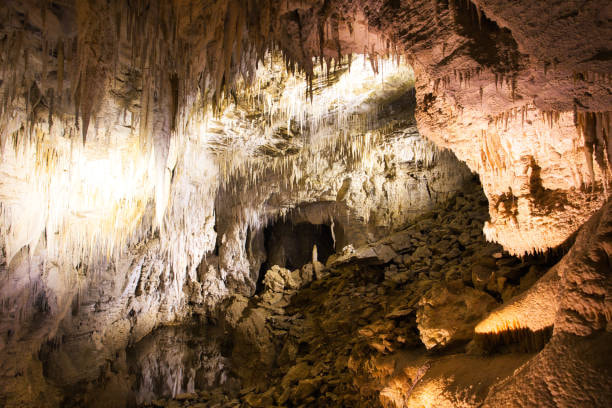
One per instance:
(305, 203)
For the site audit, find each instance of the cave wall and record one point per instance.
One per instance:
(506, 109)
(578, 306)
(97, 95)
(102, 270)
(479, 68)
(83, 314)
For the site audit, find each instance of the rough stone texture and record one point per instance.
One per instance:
(93, 323)
(449, 313)
(484, 93)
(351, 337)
(573, 369)
(535, 309)
(573, 295)
(119, 265)
(570, 371)
(108, 185)
(586, 277)
(479, 68)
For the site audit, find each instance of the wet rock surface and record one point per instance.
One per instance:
(359, 331)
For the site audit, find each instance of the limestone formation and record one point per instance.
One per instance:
(448, 313)
(274, 203)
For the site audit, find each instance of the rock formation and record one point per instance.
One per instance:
(171, 164)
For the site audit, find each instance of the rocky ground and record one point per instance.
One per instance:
(388, 324)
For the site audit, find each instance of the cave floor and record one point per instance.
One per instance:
(350, 335)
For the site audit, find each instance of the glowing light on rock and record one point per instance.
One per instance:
(340, 115)
(340, 96)
(84, 199)
(93, 200)
(497, 325)
(433, 393)
(533, 310)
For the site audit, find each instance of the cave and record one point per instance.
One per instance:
(291, 245)
(323, 203)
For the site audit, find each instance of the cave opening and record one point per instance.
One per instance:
(290, 245)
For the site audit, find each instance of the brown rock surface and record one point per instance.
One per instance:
(143, 154)
(449, 313)
(354, 337)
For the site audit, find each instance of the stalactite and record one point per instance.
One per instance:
(60, 69)
(595, 129)
(151, 40)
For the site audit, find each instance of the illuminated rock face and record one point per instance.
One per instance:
(119, 263)
(125, 204)
(504, 105)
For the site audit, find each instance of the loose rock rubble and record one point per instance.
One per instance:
(372, 317)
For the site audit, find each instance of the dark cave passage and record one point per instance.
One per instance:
(290, 245)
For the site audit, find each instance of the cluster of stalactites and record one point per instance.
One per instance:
(116, 84)
(150, 56)
(295, 178)
(62, 62)
(341, 121)
(82, 201)
(592, 127)
(93, 97)
(595, 128)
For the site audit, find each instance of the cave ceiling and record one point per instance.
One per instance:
(517, 107)
(147, 145)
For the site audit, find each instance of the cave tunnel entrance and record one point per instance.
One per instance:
(289, 244)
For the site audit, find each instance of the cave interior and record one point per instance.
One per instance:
(305, 203)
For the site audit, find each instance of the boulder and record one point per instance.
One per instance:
(259, 400)
(272, 298)
(400, 241)
(385, 253)
(273, 281)
(305, 388)
(296, 373)
(278, 279)
(421, 252)
(448, 313)
(481, 276)
(376, 254)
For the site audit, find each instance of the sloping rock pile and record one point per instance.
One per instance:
(339, 335)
